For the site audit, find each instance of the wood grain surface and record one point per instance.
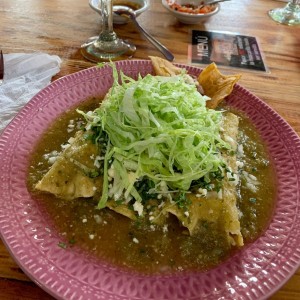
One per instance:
(59, 27)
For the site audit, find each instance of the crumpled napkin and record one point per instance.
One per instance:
(25, 75)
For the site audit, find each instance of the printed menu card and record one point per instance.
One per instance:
(226, 49)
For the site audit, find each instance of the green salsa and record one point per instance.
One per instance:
(137, 245)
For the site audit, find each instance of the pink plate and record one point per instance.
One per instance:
(255, 273)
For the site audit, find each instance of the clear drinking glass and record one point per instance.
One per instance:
(107, 46)
(289, 15)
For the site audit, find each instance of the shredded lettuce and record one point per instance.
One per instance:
(158, 129)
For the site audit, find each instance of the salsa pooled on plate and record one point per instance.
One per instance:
(160, 177)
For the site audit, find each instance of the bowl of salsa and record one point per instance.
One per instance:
(191, 12)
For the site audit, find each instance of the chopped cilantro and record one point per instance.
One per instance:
(119, 202)
(93, 174)
(182, 201)
(205, 224)
(231, 153)
(143, 187)
(62, 245)
(72, 241)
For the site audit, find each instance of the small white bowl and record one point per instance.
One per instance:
(188, 18)
(144, 5)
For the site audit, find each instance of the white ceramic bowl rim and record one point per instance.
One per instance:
(144, 5)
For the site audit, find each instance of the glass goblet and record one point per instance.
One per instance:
(107, 46)
(288, 15)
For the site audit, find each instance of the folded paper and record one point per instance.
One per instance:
(25, 75)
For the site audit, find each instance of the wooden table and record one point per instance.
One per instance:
(59, 27)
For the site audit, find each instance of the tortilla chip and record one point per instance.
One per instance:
(216, 85)
(163, 67)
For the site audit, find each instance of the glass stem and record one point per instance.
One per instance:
(107, 32)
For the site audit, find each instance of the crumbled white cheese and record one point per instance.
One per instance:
(202, 192)
(52, 156)
(84, 220)
(97, 161)
(186, 213)
(252, 177)
(239, 164)
(52, 160)
(240, 150)
(138, 207)
(91, 236)
(165, 228)
(71, 126)
(251, 181)
(135, 240)
(240, 214)
(251, 187)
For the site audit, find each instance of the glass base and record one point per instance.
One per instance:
(99, 51)
(289, 15)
